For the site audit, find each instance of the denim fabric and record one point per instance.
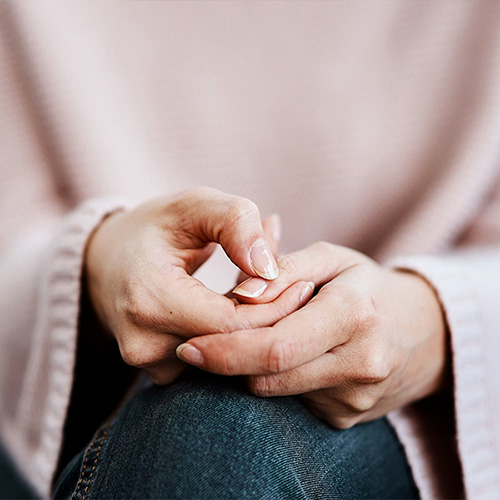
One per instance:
(205, 437)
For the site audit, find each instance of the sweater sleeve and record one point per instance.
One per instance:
(39, 306)
(467, 282)
(41, 254)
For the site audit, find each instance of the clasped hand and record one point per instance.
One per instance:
(370, 340)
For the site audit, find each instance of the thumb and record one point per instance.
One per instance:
(233, 222)
(272, 231)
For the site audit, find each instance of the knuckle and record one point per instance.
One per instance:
(364, 316)
(198, 192)
(281, 309)
(374, 367)
(239, 209)
(186, 201)
(178, 202)
(359, 402)
(261, 386)
(141, 310)
(226, 366)
(288, 264)
(229, 320)
(280, 356)
(343, 422)
(136, 353)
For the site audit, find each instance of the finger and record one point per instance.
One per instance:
(319, 263)
(165, 372)
(298, 338)
(211, 215)
(331, 410)
(272, 231)
(208, 313)
(189, 308)
(154, 353)
(143, 346)
(328, 387)
(329, 370)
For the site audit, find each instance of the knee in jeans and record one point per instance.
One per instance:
(206, 405)
(207, 436)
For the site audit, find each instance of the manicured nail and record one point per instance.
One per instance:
(307, 292)
(262, 260)
(189, 354)
(275, 226)
(251, 288)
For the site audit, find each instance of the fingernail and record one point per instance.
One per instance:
(276, 226)
(307, 292)
(262, 261)
(189, 354)
(251, 288)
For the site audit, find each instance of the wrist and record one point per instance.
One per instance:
(429, 327)
(95, 263)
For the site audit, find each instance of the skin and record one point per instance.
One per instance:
(370, 340)
(139, 267)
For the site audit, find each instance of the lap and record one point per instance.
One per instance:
(207, 437)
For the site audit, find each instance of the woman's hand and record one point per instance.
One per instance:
(370, 341)
(139, 265)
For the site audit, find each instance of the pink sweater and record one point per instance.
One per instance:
(372, 125)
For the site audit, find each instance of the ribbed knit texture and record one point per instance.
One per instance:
(371, 125)
(464, 288)
(53, 350)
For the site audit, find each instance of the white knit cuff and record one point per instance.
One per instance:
(455, 279)
(59, 324)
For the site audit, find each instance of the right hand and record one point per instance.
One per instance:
(139, 264)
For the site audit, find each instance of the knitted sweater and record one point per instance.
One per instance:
(371, 125)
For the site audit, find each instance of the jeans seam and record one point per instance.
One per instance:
(96, 439)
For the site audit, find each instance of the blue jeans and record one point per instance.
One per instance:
(206, 437)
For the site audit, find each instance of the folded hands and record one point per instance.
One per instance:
(354, 339)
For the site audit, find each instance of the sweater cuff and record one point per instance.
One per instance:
(61, 292)
(460, 283)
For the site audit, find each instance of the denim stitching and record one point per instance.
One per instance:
(95, 461)
(77, 489)
(101, 440)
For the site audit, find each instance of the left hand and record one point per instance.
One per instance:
(371, 340)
